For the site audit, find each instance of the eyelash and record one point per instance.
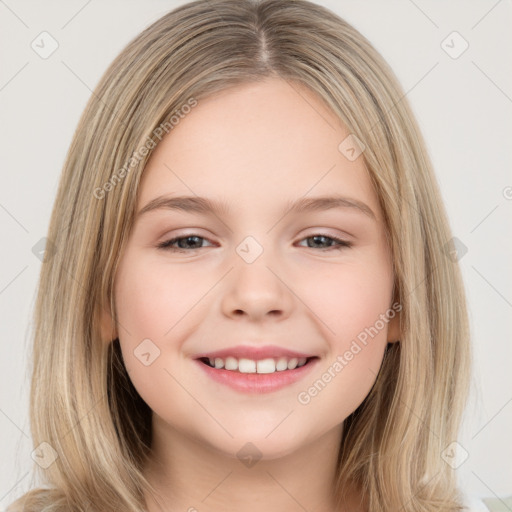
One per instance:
(167, 245)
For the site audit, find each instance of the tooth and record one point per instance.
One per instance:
(211, 361)
(292, 363)
(266, 366)
(231, 363)
(301, 361)
(282, 364)
(247, 366)
(219, 363)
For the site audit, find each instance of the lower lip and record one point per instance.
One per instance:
(257, 382)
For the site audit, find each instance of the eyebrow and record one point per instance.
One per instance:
(204, 206)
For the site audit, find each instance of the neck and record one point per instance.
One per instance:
(189, 475)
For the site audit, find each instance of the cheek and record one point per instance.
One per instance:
(151, 309)
(151, 300)
(150, 305)
(349, 300)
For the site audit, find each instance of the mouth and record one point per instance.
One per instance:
(267, 365)
(256, 376)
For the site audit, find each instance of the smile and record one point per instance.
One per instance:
(243, 365)
(256, 376)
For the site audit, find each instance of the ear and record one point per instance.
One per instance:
(107, 326)
(394, 328)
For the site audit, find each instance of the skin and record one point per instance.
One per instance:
(256, 147)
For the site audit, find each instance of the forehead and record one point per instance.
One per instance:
(257, 143)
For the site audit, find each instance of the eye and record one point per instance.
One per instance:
(192, 242)
(189, 240)
(319, 239)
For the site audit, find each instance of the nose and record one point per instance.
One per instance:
(256, 291)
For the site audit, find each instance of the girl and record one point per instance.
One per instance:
(250, 302)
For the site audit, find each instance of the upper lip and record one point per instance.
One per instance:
(254, 353)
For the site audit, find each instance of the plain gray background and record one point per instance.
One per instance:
(464, 108)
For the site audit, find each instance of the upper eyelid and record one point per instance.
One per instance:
(320, 232)
(168, 241)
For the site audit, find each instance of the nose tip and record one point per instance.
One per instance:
(256, 292)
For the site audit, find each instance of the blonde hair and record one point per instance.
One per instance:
(82, 401)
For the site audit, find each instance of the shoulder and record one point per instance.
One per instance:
(475, 504)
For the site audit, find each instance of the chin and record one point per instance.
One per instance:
(258, 445)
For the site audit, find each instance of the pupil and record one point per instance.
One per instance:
(318, 238)
(188, 239)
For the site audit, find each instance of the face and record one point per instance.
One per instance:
(271, 278)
